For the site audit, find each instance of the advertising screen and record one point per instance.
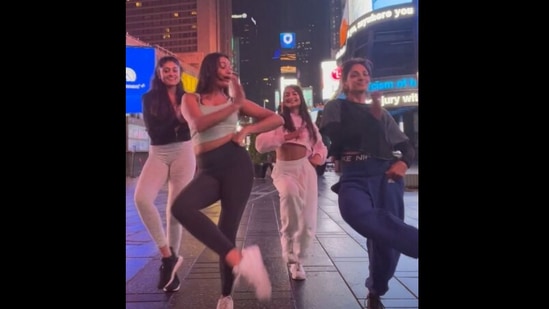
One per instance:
(357, 8)
(287, 40)
(379, 4)
(331, 74)
(140, 62)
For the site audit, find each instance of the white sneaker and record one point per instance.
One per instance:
(225, 302)
(252, 269)
(297, 271)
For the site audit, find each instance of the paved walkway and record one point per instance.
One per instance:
(336, 269)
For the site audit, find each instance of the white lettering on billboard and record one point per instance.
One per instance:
(374, 17)
(400, 99)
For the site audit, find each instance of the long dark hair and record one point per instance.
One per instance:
(160, 91)
(303, 112)
(207, 76)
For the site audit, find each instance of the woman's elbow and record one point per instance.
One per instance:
(279, 120)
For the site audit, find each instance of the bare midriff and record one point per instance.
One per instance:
(211, 145)
(291, 152)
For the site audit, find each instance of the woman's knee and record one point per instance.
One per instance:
(354, 213)
(143, 200)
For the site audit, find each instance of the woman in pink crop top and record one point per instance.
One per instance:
(299, 149)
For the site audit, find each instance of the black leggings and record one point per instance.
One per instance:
(224, 174)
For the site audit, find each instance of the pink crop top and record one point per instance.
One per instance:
(271, 140)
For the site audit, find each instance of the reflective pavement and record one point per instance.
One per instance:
(336, 268)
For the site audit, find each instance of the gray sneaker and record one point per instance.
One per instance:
(225, 302)
(297, 271)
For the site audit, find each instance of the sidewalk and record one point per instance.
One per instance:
(336, 268)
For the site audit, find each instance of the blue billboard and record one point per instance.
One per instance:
(140, 62)
(379, 4)
(287, 40)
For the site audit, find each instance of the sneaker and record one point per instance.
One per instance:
(252, 269)
(174, 286)
(168, 273)
(225, 302)
(335, 187)
(374, 302)
(297, 271)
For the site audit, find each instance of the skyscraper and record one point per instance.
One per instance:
(336, 11)
(189, 28)
(245, 56)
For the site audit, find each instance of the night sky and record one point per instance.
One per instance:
(275, 16)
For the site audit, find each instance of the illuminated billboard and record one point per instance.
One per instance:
(140, 62)
(378, 16)
(287, 69)
(287, 40)
(331, 74)
(379, 4)
(358, 9)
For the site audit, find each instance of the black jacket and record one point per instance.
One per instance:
(161, 121)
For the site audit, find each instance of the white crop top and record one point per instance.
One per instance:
(227, 126)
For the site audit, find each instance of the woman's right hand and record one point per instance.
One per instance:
(238, 91)
(294, 135)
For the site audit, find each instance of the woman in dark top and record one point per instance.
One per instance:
(171, 159)
(364, 138)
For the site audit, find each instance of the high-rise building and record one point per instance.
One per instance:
(189, 28)
(305, 64)
(246, 58)
(336, 10)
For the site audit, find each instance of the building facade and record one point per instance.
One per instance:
(189, 28)
(245, 55)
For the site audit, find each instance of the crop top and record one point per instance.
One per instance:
(271, 140)
(351, 127)
(226, 126)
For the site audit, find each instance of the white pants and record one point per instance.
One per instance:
(297, 185)
(176, 164)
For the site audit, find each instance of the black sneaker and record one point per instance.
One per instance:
(168, 273)
(373, 302)
(335, 187)
(174, 286)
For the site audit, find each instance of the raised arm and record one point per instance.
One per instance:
(270, 140)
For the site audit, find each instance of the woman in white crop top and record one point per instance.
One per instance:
(299, 149)
(225, 172)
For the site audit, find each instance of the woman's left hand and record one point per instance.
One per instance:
(240, 137)
(397, 170)
(315, 160)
